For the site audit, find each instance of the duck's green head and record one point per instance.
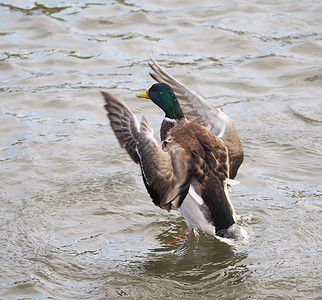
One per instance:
(163, 96)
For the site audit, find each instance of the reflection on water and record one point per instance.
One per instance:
(194, 260)
(76, 221)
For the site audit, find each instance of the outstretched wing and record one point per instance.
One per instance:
(124, 124)
(198, 110)
(165, 174)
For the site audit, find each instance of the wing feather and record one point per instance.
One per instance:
(123, 123)
(165, 173)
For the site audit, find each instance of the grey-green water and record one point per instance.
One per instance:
(75, 220)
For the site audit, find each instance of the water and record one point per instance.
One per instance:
(76, 222)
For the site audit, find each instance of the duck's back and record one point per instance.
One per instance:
(207, 151)
(209, 167)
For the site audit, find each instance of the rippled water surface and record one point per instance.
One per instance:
(75, 219)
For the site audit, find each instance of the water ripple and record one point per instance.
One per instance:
(76, 221)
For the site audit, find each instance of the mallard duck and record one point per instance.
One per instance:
(198, 159)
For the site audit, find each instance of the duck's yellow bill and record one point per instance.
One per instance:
(143, 95)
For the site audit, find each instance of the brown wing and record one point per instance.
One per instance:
(198, 110)
(165, 173)
(124, 124)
